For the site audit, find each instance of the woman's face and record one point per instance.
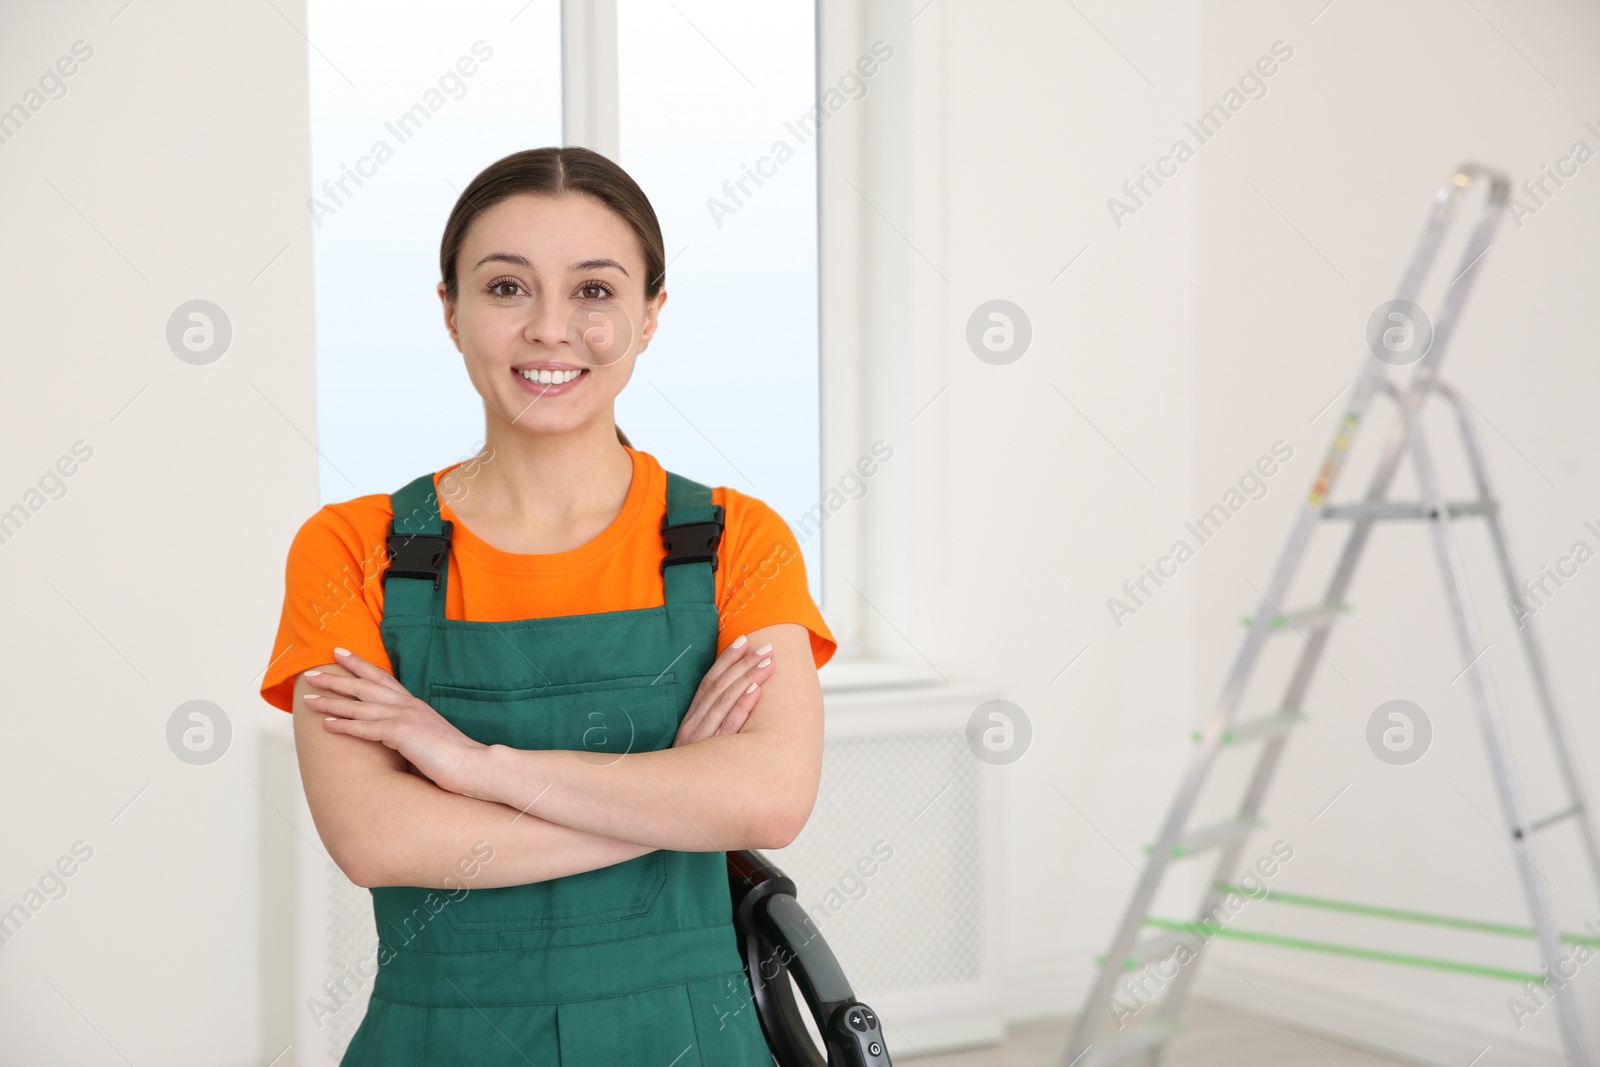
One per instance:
(553, 286)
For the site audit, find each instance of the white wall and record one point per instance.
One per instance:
(1358, 130)
(1194, 335)
(175, 167)
(1050, 479)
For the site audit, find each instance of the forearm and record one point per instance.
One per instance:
(723, 793)
(408, 831)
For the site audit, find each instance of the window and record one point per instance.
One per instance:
(714, 97)
(408, 107)
(405, 109)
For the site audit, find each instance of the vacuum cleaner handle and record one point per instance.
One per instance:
(777, 939)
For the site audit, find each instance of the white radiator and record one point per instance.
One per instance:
(918, 934)
(336, 947)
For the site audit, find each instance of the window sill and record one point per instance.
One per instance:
(850, 675)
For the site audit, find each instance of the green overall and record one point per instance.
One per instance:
(632, 964)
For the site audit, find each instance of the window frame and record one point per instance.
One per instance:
(872, 548)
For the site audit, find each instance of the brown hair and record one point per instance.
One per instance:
(558, 171)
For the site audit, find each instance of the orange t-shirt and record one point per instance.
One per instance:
(333, 591)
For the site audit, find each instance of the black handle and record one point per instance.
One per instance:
(776, 939)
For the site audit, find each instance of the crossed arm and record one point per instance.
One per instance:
(400, 797)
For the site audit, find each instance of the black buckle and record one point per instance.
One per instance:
(691, 542)
(418, 555)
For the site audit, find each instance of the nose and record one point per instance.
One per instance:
(548, 321)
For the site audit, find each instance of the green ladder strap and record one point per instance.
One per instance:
(1376, 911)
(1349, 950)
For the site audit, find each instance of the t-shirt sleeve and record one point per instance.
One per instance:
(327, 602)
(763, 580)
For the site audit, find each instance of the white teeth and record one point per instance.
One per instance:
(550, 377)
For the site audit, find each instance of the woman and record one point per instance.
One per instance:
(534, 732)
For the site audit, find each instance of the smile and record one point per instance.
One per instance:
(551, 383)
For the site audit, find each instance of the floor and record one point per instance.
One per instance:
(1213, 1037)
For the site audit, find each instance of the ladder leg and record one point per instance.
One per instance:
(1300, 681)
(1266, 765)
(1283, 571)
(1099, 1000)
(1495, 737)
(1555, 718)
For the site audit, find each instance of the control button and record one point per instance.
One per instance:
(875, 1048)
(856, 1020)
(872, 1020)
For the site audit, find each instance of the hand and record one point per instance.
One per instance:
(723, 703)
(383, 710)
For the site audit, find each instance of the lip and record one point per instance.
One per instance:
(546, 364)
(540, 390)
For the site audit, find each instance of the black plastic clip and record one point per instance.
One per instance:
(691, 542)
(418, 555)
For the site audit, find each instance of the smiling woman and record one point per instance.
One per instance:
(548, 670)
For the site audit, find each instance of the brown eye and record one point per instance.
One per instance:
(589, 288)
(494, 287)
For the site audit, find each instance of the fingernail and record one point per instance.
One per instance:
(310, 673)
(763, 650)
(739, 641)
(312, 696)
(341, 652)
(764, 662)
(752, 688)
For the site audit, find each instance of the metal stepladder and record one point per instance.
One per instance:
(1126, 955)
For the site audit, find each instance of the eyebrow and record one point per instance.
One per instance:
(522, 261)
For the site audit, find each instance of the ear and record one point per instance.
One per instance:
(652, 310)
(449, 317)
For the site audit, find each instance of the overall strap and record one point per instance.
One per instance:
(419, 553)
(419, 548)
(691, 530)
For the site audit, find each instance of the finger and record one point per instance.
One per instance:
(716, 712)
(726, 659)
(350, 686)
(371, 731)
(691, 724)
(365, 669)
(739, 714)
(717, 717)
(738, 680)
(705, 713)
(702, 703)
(733, 678)
(718, 692)
(347, 709)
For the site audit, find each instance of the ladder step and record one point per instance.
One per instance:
(1265, 727)
(1154, 948)
(1554, 817)
(1223, 833)
(1407, 509)
(1301, 618)
(1149, 1036)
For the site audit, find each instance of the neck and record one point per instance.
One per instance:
(544, 478)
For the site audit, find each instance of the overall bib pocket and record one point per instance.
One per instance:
(605, 719)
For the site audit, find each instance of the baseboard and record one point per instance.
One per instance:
(1356, 1021)
(1055, 986)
